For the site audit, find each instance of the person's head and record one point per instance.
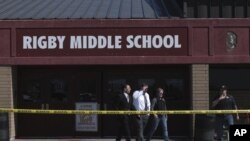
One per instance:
(126, 88)
(144, 87)
(159, 92)
(223, 90)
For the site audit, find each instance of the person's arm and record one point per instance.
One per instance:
(132, 107)
(217, 100)
(236, 108)
(237, 115)
(148, 102)
(135, 102)
(153, 106)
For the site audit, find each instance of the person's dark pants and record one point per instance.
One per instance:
(124, 128)
(221, 121)
(141, 124)
(162, 120)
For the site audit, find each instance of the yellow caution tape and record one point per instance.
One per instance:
(102, 112)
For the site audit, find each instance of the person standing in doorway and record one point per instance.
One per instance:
(124, 103)
(159, 104)
(223, 102)
(141, 102)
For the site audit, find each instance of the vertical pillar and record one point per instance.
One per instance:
(200, 88)
(6, 95)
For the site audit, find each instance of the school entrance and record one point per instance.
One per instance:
(94, 87)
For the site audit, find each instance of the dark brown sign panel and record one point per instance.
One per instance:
(102, 42)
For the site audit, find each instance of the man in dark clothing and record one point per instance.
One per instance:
(223, 102)
(124, 103)
(159, 104)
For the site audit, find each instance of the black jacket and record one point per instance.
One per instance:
(123, 104)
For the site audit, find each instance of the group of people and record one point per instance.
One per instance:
(140, 101)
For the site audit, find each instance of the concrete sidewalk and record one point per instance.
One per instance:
(101, 139)
(173, 138)
(89, 140)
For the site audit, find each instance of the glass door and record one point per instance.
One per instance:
(32, 94)
(87, 97)
(60, 86)
(45, 88)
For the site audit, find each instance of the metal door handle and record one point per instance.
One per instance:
(47, 106)
(42, 106)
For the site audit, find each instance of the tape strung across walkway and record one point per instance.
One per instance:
(102, 112)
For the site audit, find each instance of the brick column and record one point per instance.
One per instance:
(6, 95)
(200, 88)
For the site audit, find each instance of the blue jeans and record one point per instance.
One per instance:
(162, 120)
(221, 121)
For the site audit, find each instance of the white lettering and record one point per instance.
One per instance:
(27, 42)
(52, 42)
(92, 42)
(168, 41)
(136, 41)
(243, 131)
(75, 42)
(34, 42)
(118, 42)
(157, 41)
(176, 43)
(110, 45)
(239, 132)
(130, 41)
(146, 41)
(84, 42)
(61, 40)
(42, 43)
(102, 42)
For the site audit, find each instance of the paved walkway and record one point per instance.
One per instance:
(98, 139)
(88, 140)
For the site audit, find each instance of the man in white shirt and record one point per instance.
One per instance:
(141, 102)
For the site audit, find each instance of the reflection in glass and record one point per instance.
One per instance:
(58, 90)
(87, 90)
(86, 96)
(114, 86)
(150, 82)
(114, 89)
(32, 92)
(175, 88)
